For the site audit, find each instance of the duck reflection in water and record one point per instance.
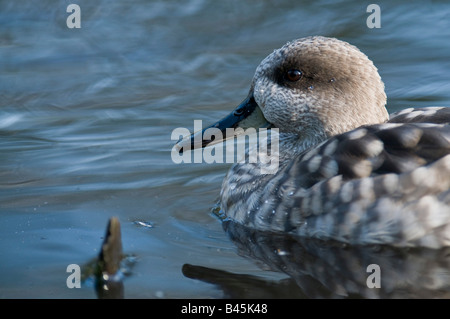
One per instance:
(329, 269)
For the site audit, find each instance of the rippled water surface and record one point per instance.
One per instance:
(86, 117)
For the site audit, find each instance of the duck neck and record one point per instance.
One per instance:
(291, 145)
(277, 152)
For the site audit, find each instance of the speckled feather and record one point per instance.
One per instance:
(385, 186)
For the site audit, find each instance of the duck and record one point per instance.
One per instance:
(347, 170)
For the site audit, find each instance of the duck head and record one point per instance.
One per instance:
(310, 89)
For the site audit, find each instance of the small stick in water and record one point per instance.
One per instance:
(111, 253)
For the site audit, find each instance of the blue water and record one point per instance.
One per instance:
(86, 117)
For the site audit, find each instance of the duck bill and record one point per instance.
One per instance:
(246, 115)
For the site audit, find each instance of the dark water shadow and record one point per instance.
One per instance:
(319, 269)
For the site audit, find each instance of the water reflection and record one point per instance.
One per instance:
(319, 269)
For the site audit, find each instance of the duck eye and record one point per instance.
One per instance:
(293, 75)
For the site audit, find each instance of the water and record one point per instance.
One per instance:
(85, 122)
